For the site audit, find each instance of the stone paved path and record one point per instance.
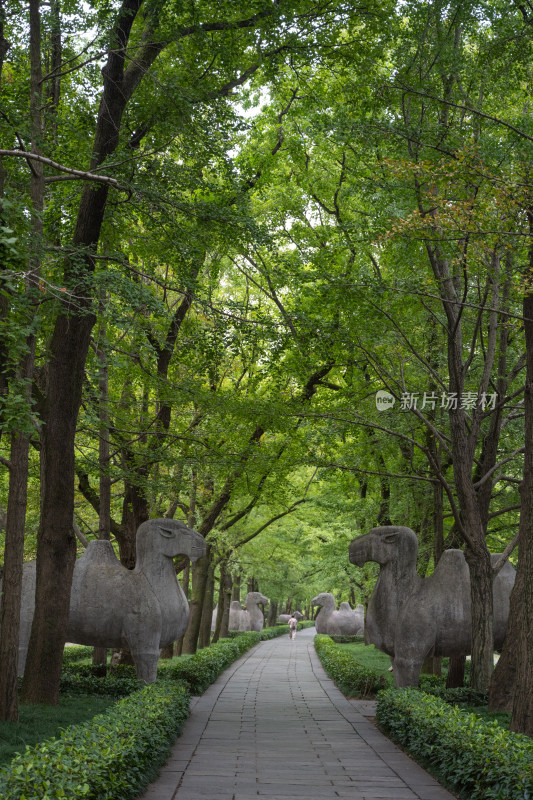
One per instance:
(275, 726)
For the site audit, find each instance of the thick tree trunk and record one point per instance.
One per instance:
(481, 578)
(134, 512)
(503, 682)
(56, 544)
(56, 541)
(522, 714)
(476, 553)
(12, 582)
(512, 684)
(199, 571)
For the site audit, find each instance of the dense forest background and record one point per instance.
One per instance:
(224, 229)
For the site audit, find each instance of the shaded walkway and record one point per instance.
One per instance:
(275, 726)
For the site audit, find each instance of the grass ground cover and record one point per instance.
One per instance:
(371, 658)
(37, 723)
(374, 659)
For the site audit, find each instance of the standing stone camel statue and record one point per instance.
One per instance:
(410, 617)
(345, 621)
(253, 619)
(142, 609)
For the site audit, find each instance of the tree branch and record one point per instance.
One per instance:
(78, 173)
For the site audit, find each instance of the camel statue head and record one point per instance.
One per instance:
(255, 598)
(170, 538)
(324, 599)
(383, 545)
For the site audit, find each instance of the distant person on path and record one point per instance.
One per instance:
(293, 625)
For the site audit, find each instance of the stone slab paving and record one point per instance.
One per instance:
(275, 726)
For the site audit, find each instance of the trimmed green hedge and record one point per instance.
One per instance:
(117, 754)
(479, 759)
(85, 679)
(352, 678)
(343, 638)
(113, 757)
(201, 669)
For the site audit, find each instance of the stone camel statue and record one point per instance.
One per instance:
(352, 620)
(345, 621)
(142, 609)
(236, 618)
(284, 618)
(254, 619)
(410, 617)
(326, 601)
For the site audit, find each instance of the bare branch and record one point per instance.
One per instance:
(78, 173)
(505, 555)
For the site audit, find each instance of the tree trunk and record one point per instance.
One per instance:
(236, 591)
(476, 553)
(178, 644)
(512, 684)
(199, 571)
(503, 683)
(456, 672)
(12, 582)
(204, 639)
(481, 578)
(272, 614)
(167, 651)
(224, 625)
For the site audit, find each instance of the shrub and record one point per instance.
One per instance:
(352, 678)
(201, 669)
(274, 632)
(83, 679)
(479, 759)
(462, 695)
(76, 653)
(344, 638)
(112, 757)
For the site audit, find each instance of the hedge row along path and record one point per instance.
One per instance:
(275, 726)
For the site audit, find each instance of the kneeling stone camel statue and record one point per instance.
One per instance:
(284, 618)
(344, 622)
(248, 619)
(410, 617)
(142, 609)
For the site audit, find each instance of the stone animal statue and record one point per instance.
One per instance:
(254, 618)
(236, 616)
(410, 617)
(326, 601)
(284, 618)
(351, 621)
(142, 609)
(345, 621)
